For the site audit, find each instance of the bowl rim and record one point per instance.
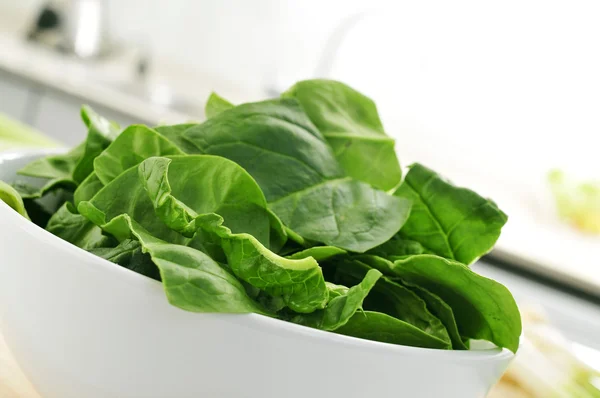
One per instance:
(253, 320)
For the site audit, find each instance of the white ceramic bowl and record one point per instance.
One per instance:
(82, 327)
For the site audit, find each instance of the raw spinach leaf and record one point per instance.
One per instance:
(451, 222)
(145, 195)
(398, 247)
(343, 304)
(302, 181)
(58, 169)
(68, 170)
(12, 198)
(68, 225)
(129, 149)
(87, 189)
(215, 105)
(319, 253)
(101, 133)
(350, 123)
(299, 282)
(484, 309)
(129, 254)
(393, 299)
(387, 329)
(444, 312)
(191, 279)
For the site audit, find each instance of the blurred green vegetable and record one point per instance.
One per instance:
(14, 134)
(577, 203)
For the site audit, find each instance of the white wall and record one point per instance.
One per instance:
(503, 90)
(512, 85)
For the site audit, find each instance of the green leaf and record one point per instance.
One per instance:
(129, 149)
(342, 306)
(451, 222)
(101, 133)
(350, 123)
(12, 198)
(191, 279)
(66, 171)
(129, 254)
(299, 175)
(87, 189)
(58, 169)
(319, 253)
(299, 282)
(387, 329)
(484, 309)
(392, 298)
(444, 312)
(215, 105)
(145, 195)
(398, 247)
(68, 225)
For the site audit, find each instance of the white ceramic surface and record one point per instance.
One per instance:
(80, 326)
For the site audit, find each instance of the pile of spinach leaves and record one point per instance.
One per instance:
(294, 208)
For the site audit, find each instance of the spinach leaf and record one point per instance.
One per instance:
(387, 329)
(350, 123)
(299, 175)
(58, 169)
(129, 254)
(191, 279)
(87, 189)
(68, 170)
(393, 299)
(299, 282)
(451, 222)
(215, 105)
(129, 149)
(484, 309)
(101, 133)
(68, 225)
(398, 247)
(12, 198)
(319, 253)
(343, 304)
(146, 197)
(444, 312)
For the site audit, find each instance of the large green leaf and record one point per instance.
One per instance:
(343, 304)
(101, 133)
(392, 298)
(87, 189)
(451, 222)
(299, 282)
(387, 329)
(191, 279)
(68, 225)
(484, 309)
(129, 254)
(350, 123)
(444, 312)
(162, 196)
(57, 169)
(296, 169)
(68, 170)
(129, 149)
(215, 105)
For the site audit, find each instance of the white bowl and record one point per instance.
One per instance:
(82, 327)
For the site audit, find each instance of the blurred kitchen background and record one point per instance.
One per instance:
(494, 95)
